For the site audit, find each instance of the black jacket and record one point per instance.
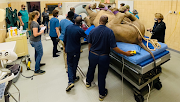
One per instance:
(158, 31)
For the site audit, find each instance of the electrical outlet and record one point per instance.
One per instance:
(170, 12)
(175, 12)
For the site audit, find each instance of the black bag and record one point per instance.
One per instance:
(14, 68)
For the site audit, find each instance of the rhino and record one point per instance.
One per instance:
(121, 23)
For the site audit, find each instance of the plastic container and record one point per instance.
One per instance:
(12, 31)
(19, 32)
(21, 28)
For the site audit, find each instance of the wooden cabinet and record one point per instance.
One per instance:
(21, 44)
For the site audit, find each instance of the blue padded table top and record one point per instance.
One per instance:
(142, 64)
(141, 55)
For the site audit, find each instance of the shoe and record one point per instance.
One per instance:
(88, 85)
(101, 97)
(81, 51)
(76, 79)
(39, 72)
(58, 52)
(70, 86)
(66, 70)
(42, 64)
(56, 56)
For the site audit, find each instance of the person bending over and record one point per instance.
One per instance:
(72, 47)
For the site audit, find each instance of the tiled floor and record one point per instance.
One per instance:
(51, 86)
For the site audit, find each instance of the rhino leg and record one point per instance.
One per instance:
(89, 7)
(118, 19)
(92, 15)
(130, 16)
(87, 20)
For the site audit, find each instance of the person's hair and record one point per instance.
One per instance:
(78, 20)
(72, 9)
(31, 17)
(23, 5)
(127, 6)
(122, 4)
(70, 15)
(109, 6)
(103, 19)
(55, 13)
(60, 3)
(159, 16)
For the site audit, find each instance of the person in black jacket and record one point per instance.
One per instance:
(158, 31)
(45, 16)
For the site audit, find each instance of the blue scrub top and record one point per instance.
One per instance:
(72, 37)
(63, 24)
(102, 39)
(137, 16)
(54, 22)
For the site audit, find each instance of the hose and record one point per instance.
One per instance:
(154, 42)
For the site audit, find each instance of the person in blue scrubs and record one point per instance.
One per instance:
(63, 24)
(100, 40)
(54, 32)
(72, 47)
(135, 13)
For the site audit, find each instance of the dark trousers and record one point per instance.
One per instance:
(46, 24)
(103, 66)
(158, 38)
(54, 45)
(72, 61)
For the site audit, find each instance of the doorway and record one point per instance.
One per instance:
(34, 6)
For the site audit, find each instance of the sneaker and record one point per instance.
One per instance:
(58, 52)
(66, 70)
(88, 85)
(81, 51)
(56, 56)
(70, 86)
(39, 72)
(42, 64)
(101, 97)
(76, 79)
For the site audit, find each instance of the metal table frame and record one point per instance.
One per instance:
(136, 74)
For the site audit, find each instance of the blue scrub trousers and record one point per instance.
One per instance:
(38, 53)
(72, 61)
(103, 66)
